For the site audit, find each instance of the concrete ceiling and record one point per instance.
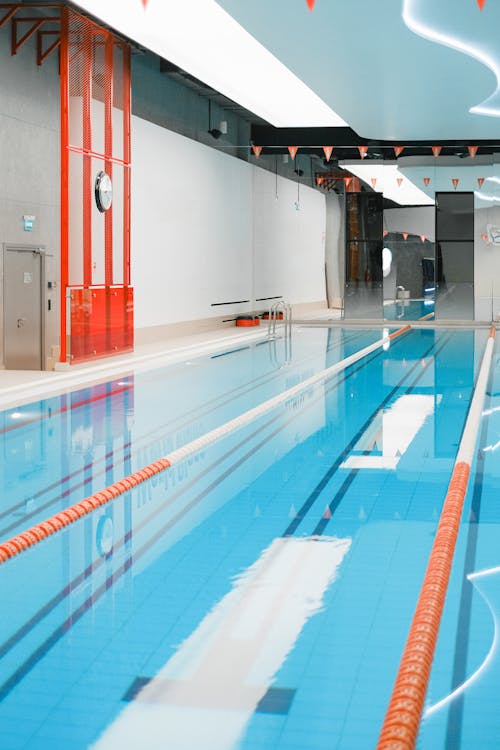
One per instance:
(393, 70)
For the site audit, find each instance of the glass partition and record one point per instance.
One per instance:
(363, 267)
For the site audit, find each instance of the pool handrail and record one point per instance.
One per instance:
(402, 719)
(41, 531)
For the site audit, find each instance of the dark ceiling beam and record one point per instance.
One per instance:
(280, 138)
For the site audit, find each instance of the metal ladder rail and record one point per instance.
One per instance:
(286, 309)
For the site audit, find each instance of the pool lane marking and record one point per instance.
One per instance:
(208, 407)
(352, 474)
(35, 534)
(306, 506)
(402, 720)
(15, 638)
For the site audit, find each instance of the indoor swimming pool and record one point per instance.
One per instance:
(257, 595)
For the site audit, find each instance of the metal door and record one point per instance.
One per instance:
(22, 310)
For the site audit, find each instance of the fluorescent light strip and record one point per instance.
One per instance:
(410, 13)
(406, 194)
(202, 39)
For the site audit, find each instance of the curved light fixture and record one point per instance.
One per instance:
(410, 15)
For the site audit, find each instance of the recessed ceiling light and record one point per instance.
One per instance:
(204, 40)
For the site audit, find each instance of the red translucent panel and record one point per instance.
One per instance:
(102, 321)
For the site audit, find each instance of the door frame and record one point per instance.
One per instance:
(39, 250)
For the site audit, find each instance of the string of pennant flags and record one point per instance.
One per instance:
(363, 151)
(311, 3)
(326, 180)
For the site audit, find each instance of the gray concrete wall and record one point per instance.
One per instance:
(29, 164)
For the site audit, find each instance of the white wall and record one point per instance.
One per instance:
(412, 219)
(486, 265)
(207, 228)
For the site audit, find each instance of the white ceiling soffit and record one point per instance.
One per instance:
(405, 193)
(205, 41)
(395, 70)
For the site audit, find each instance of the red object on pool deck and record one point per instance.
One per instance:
(247, 320)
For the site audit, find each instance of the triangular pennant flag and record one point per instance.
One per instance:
(481, 4)
(319, 180)
(292, 513)
(257, 150)
(347, 181)
(480, 181)
(455, 182)
(436, 150)
(484, 237)
(399, 180)
(405, 235)
(426, 181)
(328, 152)
(310, 4)
(328, 513)
(386, 232)
(472, 151)
(423, 237)
(398, 150)
(373, 181)
(363, 150)
(292, 150)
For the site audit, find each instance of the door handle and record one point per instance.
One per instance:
(21, 322)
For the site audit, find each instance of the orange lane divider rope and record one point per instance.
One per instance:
(35, 534)
(402, 719)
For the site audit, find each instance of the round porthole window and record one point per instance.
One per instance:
(103, 191)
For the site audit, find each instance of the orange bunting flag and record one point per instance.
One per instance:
(481, 4)
(347, 182)
(292, 150)
(436, 150)
(257, 150)
(328, 152)
(423, 237)
(373, 181)
(472, 151)
(363, 150)
(319, 180)
(386, 232)
(310, 4)
(399, 180)
(426, 181)
(398, 150)
(455, 182)
(405, 235)
(484, 237)
(480, 181)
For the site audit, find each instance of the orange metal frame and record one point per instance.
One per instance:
(115, 315)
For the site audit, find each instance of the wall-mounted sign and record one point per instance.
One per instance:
(493, 234)
(28, 223)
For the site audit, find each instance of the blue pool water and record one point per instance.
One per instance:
(408, 309)
(259, 594)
